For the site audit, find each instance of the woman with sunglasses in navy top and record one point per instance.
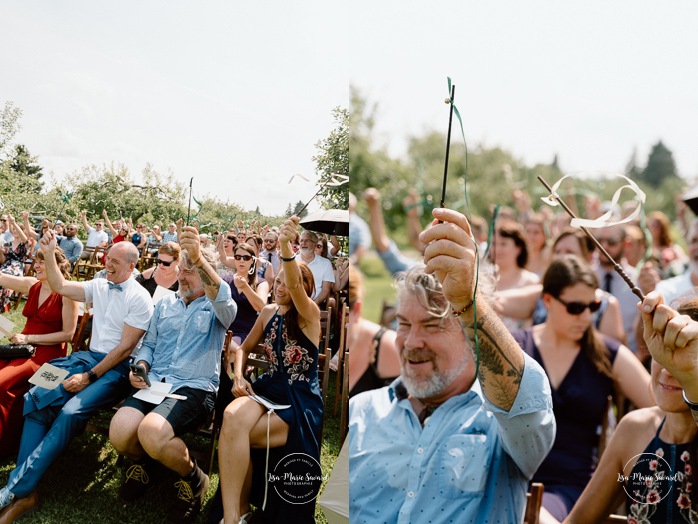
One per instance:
(164, 273)
(582, 366)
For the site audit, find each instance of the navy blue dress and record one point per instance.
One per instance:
(292, 379)
(579, 405)
(658, 501)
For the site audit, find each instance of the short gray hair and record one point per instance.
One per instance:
(425, 287)
(429, 293)
(208, 254)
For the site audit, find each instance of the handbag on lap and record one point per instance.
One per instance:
(11, 351)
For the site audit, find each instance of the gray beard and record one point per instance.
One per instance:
(435, 384)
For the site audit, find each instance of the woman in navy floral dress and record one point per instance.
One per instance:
(289, 331)
(655, 451)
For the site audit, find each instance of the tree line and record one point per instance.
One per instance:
(150, 197)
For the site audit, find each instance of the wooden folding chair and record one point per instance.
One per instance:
(534, 499)
(147, 259)
(95, 263)
(344, 417)
(81, 337)
(341, 354)
(325, 324)
(211, 429)
(79, 268)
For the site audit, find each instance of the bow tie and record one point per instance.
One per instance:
(117, 287)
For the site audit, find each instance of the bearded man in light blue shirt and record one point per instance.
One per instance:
(459, 434)
(182, 347)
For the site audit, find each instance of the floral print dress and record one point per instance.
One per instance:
(292, 379)
(13, 265)
(659, 488)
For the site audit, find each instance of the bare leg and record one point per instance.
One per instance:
(242, 426)
(123, 432)
(159, 441)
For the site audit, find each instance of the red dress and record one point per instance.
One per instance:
(14, 374)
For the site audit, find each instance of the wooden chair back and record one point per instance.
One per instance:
(325, 324)
(148, 257)
(95, 263)
(344, 416)
(79, 268)
(534, 499)
(341, 354)
(81, 337)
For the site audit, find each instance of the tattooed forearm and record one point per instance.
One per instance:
(209, 278)
(501, 360)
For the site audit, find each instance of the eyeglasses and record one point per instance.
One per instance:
(269, 241)
(164, 263)
(577, 308)
(246, 258)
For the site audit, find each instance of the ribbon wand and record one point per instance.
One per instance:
(191, 181)
(616, 266)
(336, 180)
(448, 144)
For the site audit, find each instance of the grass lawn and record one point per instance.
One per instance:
(82, 486)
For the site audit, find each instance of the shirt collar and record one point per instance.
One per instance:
(398, 392)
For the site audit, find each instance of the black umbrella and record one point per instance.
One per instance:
(690, 197)
(330, 221)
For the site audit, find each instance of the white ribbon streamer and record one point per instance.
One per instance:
(605, 219)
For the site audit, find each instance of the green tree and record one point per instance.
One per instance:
(333, 159)
(28, 171)
(660, 166)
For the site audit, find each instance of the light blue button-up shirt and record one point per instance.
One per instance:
(183, 344)
(470, 463)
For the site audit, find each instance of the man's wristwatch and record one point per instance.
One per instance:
(91, 376)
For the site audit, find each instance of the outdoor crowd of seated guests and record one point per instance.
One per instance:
(265, 284)
(581, 324)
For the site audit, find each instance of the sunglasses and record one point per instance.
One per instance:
(166, 264)
(577, 308)
(610, 241)
(246, 258)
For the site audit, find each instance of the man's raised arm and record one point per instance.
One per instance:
(72, 290)
(451, 254)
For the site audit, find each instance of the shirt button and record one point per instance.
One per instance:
(410, 494)
(420, 450)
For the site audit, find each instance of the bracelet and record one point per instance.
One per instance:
(284, 259)
(692, 405)
(459, 312)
